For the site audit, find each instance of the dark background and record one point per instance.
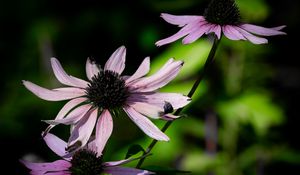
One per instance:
(33, 31)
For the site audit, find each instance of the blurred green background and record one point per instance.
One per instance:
(243, 119)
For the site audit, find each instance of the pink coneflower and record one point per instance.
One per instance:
(105, 92)
(85, 161)
(220, 16)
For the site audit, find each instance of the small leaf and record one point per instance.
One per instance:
(133, 150)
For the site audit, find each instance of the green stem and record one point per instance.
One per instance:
(202, 72)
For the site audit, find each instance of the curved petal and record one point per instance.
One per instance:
(159, 99)
(204, 27)
(57, 145)
(148, 109)
(231, 33)
(104, 129)
(82, 131)
(145, 125)
(116, 62)
(181, 33)
(180, 20)
(159, 79)
(253, 39)
(125, 171)
(73, 117)
(141, 71)
(65, 109)
(91, 69)
(63, 77)
(53, 95)
(263, 31)
(43, 168)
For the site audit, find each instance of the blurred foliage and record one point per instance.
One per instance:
(231, 127)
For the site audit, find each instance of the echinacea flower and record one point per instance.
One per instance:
(221, 16)
(94, 101)
(85, 161)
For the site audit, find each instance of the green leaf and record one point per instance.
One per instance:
(165, 171)
(133, 150)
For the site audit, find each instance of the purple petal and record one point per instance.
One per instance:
(64, 78)
(116, 62)
(141, 71)
(104, 129)
(91, 69)
(279, 27)
(125, 171)
(258, 30)
(145, 125)
(159, 99)
(181, 33)
(43, 168)
(216, 29)
(193, 36)
(180, 20)
(53, 95)
(83, 129)
(66, 108)
(159, 79)
(252, 38)
(148, 109)
(73, 117)
(231, 33)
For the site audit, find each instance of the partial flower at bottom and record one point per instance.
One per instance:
(221, 16)
(94, 101)
(82, 162)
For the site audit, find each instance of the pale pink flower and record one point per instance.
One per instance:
(221, 16)
(85, 161)
(94, 101)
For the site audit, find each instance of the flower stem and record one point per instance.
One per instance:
(201, 74)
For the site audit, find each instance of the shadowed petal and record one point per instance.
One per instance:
(83, 130)
(180, 20)
(116, 62)
(42, 168)
(231, 33)
(159, 79)
(64, 78)
(252, 38)
(125, 171)
(53, 95)
(216, 29)
(91, 69)
(65, 109)
(73, 117)
(141, 71)
(104, 129)
(159, 99)
(193, 36)
(57, 145)
(148, 109)
(145, 125)
(258, 30)
(181, 33)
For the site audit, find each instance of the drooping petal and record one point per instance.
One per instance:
(83, 130)
(180, 20)
(65, 109)
(160, 99)
(141, 71)
(116, 62)
(43, 168)
(279, 27)
(231, 33)
(55, 94)
(63, 77)
(91, 69)
(125, 171)
(148, 109)
(145, 125)
(181, 33)
(193, 36)
(73, 117)
(263, 31)
(217, 30)
(159, 79)
(57, 145)
(252, 38)
(104, 129)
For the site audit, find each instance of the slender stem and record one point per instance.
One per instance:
(202, 72)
